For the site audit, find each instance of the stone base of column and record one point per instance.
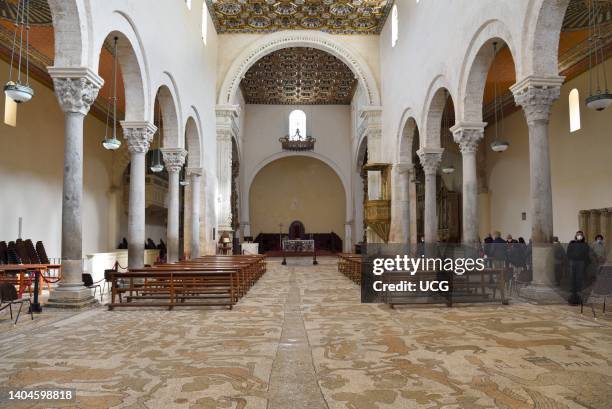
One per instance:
(542, 288)
(71, 296)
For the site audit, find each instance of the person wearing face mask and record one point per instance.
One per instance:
(578, 255)
(600, 250)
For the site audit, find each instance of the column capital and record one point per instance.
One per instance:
(430, 159)
(403, 167)
(194, 172)
(138, 134)
(536, 96)
(468, 135)
(174, 158)
(76, 88)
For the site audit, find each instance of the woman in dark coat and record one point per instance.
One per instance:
(578, 255)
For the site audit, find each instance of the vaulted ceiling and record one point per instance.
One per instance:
(334, 16)
(299, 75)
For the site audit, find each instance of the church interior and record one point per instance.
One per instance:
(192, 194)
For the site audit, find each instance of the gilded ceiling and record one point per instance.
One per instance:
(334, 16)
(299, 75)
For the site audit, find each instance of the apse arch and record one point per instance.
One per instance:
(432, 116)
(297, 38)
(476, 65)
(290, 181)
(543, 23)
(279, 155)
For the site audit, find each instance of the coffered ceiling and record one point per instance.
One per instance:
(299, 75)
(334, 16)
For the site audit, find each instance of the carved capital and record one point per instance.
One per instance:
(174, 158)
(76, 88)
(468, 136)
(536, 96)
(195, 172)
(138, 135)
(430, 159)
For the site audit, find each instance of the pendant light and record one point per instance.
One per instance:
(601, 98)
(447, 168)
(497, 145)
(113, 143)
(157, 165)
(17, 90)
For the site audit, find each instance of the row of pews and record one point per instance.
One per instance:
(350, 265)
(205, 281)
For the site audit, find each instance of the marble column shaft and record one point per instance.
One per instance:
(401, 227)
(430, 160)
(174, 159)
(468, 137)
(195, 176)
(76, 90)
(139, 136)
(536, 99)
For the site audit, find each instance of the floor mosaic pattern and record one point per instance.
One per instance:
(361, 356)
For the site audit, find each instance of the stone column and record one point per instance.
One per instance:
(348, 237)
(195, 176)
(371, 128)
(468, 136)
(536, 96)
(430, 160)
(246, 229)
(400, 221)
(76, 90)
(139, 136)
(227, 130)
(174, 159)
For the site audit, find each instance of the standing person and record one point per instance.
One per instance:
(578, 254)
(600, 250)
(560, 260)
(498, 251)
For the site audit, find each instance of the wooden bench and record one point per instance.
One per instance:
(205, 281)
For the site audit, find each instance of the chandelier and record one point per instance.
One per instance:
(297, 142)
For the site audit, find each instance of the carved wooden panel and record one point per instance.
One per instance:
(299, 75)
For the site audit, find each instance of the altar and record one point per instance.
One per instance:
(298, 248)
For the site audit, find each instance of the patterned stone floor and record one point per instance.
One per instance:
(360, 356)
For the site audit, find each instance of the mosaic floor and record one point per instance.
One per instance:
(301, 339)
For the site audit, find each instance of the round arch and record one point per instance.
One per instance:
(170, 118)
(193, 132)
(297, 38)
(71, 32)
(435, 102)
(405, 137)
(131, 59)
(280, 155)
(540, 47)
(475, 68)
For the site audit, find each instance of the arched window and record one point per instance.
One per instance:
(204, 22)
(188, 3)
(574, 110)
(394, 25)
(297, 125)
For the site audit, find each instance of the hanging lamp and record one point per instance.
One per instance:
(17, 90)
(447, 168)
(497, 145)
(113, 143)
(157, 165)
(601, 98)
